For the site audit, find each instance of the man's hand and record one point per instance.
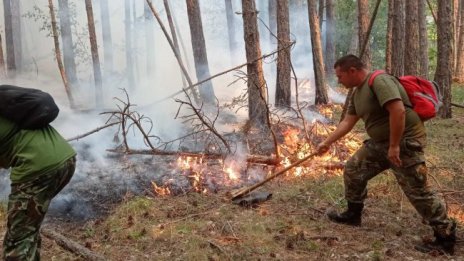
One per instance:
(394, 155)
(322, 148)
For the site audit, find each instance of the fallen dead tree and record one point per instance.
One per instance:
(256, 159)
(71, 245)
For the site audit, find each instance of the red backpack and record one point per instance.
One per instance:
(424, 95)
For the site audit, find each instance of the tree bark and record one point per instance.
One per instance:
(444, 55)
(128, 38)
(9, 42)
(17, 39)
(2, 60)
(389, 37)
(398, 39)
(58, 55)
(95, 59)
(272, 9)
(231, 28)
(318, 61)
(199, 51)
(459, 73)
(107, 37)
(329, 40)
(363, 21)
(283, 91)
(257, 94)
(149, 39)
(423, 41)
(67, 39)
(411, 61)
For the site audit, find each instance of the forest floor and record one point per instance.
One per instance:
(290, 226)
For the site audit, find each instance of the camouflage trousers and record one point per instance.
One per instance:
(27, 205)
(371, 159)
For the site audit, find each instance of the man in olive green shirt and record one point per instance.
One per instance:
(397, 138)
(41, 163)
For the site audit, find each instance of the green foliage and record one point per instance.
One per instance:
(80, 45)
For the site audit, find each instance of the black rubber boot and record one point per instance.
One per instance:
(352, 216)
(443, 244)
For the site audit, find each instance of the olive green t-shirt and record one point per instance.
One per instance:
(368, 101)
(31, 153)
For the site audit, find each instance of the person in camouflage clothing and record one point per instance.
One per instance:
(41, 163)
(397, 139)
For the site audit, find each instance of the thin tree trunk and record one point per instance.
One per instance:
(257, 95)
(231, 28)
(175, 42)
(67, 39)
(128, 38)
(318, 61)
(149, 39)
(423, 41)
(199, 51)
(321, 13)
(17, 39)
(389, 37)
(107, 37)
(444, 55)
(411, 61)
(283, 91)
(2, 60)
(398, 39)
(95, 59)
(66, 84)
(272, 9)
(455, 35)
(363, 21)
(460, 51)
(329, 40)
(9, 42)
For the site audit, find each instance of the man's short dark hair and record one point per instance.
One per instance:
(348, 61)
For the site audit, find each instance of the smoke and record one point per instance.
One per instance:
(102, 177)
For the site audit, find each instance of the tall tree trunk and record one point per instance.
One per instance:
(128, 38)
(175, 42)
(455, 22)
(107, 38)
(389, 36)
(329, 40)
(318, 61)
(272, 9)
(257, 94)
(2, 60)
(444, 55)
(423, 41)
(363, 21)
(199, 51)
(231, 28)
(17, 39)
(398, 39)
(283, 91)
(67, 39)
(9, 42)
(411, 61)
(58, 55)
(149, 39)
(95, 59)
(459, 75)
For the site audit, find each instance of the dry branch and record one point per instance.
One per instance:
(71, 245)
(92, 131)
(257, 159)
(457, 105)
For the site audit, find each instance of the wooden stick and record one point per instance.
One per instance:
(71, 246)
(243, 191)
(457, 105)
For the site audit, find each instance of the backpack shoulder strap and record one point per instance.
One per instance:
(373, 75)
